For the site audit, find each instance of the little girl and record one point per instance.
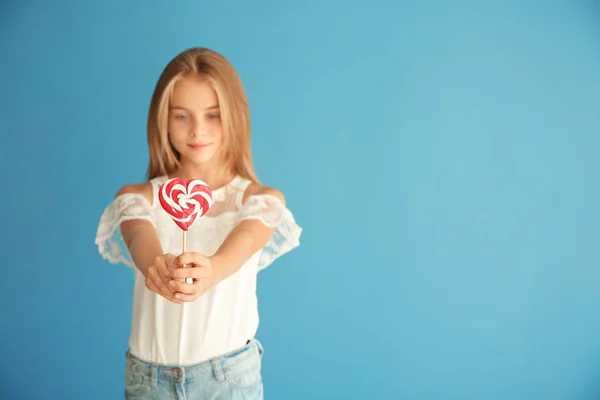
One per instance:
(196, 340)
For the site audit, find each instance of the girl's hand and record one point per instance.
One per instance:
(157, 281)
(198, 267)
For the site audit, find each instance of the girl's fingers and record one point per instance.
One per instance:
(160, 286)
(190, 258)
(150, 285)
(196, 272)
(188, 297)
(190, 292)
(186, 288)
(182, 273)
(160, 266)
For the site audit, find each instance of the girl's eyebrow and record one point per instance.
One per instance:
(185, 109)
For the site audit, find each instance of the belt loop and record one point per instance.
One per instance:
(217, 370)
(153, 376)
(261, 350)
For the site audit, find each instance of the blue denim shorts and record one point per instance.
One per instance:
(236, 375)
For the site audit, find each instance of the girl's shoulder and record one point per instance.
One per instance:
(144, 189)
(256, 189)
(147, 189)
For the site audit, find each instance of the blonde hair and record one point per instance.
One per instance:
(235, 114)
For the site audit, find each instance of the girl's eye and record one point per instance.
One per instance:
(181, 117)
(214, 116)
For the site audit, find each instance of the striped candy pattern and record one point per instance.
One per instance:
(185, 201)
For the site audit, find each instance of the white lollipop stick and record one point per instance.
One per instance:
(187, 280)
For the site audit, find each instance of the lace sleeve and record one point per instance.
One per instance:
(125, 207)
(273, 213)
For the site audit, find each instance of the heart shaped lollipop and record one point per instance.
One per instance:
(185, 201)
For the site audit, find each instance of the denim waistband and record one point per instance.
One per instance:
(217, 366)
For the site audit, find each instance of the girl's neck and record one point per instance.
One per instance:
(214, 176)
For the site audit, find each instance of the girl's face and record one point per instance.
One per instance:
(195, 121)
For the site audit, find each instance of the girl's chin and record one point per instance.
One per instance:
(199, 159)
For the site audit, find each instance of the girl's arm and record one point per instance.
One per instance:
(248, 237)
(139, 235)
(144, 246)
(245, 239)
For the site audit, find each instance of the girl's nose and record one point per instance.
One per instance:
(198, 129)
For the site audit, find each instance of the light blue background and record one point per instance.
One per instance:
(442, 157)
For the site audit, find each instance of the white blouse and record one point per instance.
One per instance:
(222, 319)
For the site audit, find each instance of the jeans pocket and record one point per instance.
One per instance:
(135, 381)
(245, 374)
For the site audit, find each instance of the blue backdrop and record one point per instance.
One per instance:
(442, 158)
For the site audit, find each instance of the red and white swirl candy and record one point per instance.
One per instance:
(185, 201)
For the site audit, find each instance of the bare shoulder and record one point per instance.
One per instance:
(144, 189)
(257, 189)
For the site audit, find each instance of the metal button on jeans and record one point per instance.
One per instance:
(177, 373)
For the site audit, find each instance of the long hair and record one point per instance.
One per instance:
(235, 114)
